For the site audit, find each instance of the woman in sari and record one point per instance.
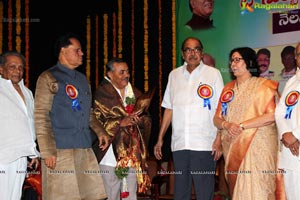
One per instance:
(245, 116)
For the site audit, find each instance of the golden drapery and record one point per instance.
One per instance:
(251, 157)
(129, 143)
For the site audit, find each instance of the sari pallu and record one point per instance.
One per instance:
(250, 158)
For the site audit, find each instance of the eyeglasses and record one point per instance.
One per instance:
(235, 60)
(189, 50)
(297, 55)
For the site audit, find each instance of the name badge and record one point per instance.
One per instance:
(226, 97)
(72, 93)
(205, 92)
(291, 100)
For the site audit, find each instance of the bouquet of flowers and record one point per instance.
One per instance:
(130, 101)
(122, 173)
(139, 105)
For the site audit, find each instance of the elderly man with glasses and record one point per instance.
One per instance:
(190, 102)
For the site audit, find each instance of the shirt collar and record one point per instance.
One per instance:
(126, 89)
(5, 81)
(64, 68)
(199, 67)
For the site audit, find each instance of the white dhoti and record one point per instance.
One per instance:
(12, 177)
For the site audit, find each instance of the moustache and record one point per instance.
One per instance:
(193, 57)
(263, 65)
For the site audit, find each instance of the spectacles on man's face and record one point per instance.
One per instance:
(235, 60)
(190, 50)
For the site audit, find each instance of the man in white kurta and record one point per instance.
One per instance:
(288, 123)
(17, 135)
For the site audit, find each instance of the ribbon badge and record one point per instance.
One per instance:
(226, 97)
(205, 92)
(72, 92)
(291, 100)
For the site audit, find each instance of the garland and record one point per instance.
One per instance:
(146, 59)
(120, 39)
(114, 35)
(27, 42)
(174, 34)
(105, 41)
(10, 17)
(18, 25)
(129, 100)
(132, 42)
(97, 51)
(160, 59)
(121, 172)
(88, 48)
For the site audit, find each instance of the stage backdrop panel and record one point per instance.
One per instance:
(257, 24)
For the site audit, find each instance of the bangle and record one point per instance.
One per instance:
(223, 123)
(242, 126)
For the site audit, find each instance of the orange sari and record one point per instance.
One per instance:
(250, 158)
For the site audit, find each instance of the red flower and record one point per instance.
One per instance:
(129, 108)
(124, 194)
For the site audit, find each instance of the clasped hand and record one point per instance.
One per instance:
(233, 129)
(291, 142)
(130, 120)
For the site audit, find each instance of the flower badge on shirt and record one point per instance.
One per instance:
(72, 93)
(291, 100)
(205, 92)
(226, 97)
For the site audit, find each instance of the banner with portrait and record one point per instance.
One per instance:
(237, 23)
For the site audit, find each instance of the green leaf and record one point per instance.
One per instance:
(130, 100)
(121, 172)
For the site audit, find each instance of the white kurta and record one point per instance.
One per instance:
(17, 133)
(287, 161)
(17, 138)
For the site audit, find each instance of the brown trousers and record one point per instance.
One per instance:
(76, 176)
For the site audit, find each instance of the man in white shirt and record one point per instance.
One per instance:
(289, 70)
(190, 102)
(288, 124)
(263, 61)
(17, 135)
